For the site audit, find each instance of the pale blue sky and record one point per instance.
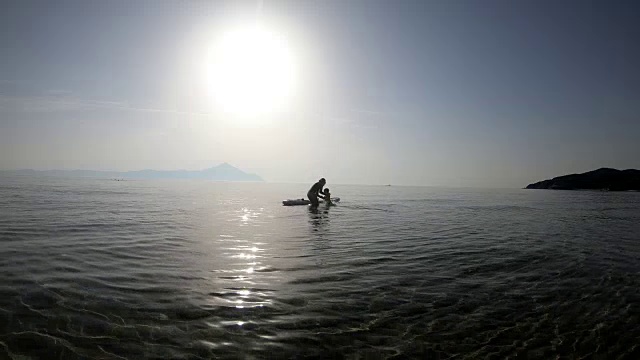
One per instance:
(460, 93)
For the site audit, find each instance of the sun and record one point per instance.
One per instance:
(252, 71)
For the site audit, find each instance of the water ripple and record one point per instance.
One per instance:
(91, 268)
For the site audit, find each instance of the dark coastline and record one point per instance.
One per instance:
(604, 179)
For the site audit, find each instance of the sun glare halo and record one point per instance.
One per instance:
(252, 71)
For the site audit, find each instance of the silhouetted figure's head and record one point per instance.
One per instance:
(323, 181)
(326, 191)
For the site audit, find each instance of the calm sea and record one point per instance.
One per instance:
(102, 269)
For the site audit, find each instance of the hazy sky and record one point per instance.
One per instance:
(460, 93)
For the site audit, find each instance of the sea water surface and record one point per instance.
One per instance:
(102, 269)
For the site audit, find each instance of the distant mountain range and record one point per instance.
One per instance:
(222, 172)
(601, 179)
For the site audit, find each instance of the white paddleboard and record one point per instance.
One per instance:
(305, 201)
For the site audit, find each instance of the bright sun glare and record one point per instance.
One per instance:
(252, 71)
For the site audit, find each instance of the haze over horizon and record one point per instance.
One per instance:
(490, 93)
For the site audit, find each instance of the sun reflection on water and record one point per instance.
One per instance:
(246, 277)
(247, 215)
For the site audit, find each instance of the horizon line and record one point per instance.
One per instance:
(262, 181)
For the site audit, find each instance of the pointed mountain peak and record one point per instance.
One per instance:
(225, 165)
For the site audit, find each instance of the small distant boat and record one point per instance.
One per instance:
(388, 185)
